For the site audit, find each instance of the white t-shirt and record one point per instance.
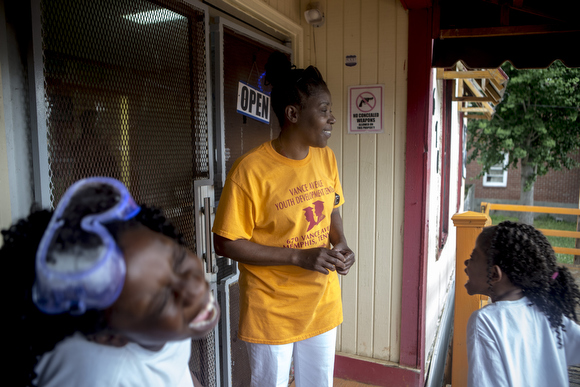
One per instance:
(76, 361)
(510, 343)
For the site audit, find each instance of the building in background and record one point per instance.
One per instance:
(555, 189)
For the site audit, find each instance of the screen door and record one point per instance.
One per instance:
(121, 90)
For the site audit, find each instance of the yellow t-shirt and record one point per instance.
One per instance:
(275, 201)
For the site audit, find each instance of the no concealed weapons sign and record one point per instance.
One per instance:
(365, 109)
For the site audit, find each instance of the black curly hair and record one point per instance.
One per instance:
(527, 258)
(290, 86)
(31, 332)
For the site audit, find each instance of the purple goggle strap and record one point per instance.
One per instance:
(98, 286)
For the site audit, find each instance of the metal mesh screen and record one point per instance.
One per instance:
(241, 374)
(126, 97)
(204, 358)
(125, 92)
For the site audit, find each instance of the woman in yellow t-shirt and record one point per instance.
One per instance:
(278, 217)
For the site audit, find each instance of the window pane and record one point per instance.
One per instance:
(494, 179)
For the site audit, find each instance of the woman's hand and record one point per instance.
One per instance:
(321, 260)
(339, 243)
(348, 255)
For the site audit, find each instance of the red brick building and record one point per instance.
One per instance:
(557, 188)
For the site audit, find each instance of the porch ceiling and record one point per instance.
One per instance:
(486, 33)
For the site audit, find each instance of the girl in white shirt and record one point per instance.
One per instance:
(529, 334)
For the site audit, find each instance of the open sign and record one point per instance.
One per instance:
(253, 103)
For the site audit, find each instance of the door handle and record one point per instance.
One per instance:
(209, 266)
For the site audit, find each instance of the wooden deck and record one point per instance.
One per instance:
(574, 376)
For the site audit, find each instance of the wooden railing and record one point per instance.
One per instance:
(469, 226)
(486, 207)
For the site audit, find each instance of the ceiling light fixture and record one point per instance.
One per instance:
(151, 17)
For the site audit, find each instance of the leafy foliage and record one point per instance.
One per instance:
(537, 122)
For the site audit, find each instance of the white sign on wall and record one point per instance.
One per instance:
(253, 103)
(365, 109)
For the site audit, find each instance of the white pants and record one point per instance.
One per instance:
(313, 362)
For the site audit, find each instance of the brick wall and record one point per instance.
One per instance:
(555, 187)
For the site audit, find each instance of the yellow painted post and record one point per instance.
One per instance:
(577, 244)
(469, 225)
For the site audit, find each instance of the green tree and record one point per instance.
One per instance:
(536, 123)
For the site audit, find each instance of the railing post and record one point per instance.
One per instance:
(469, 225)
(577, 244)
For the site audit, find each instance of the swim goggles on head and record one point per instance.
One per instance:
(81, 278)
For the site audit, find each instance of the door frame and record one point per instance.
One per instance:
(217, 31)
(217, 54)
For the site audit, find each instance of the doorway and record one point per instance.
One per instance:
(239, 55)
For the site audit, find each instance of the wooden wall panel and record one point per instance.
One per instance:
(350, 177)
(289, 8)
(385, 156)
(367, 165)
(401, 52)
(335, 80)
(319, 44)
(307, 31)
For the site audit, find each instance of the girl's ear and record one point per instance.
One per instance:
(496, 274)
(292, 113)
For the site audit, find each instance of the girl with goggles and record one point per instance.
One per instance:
(103, 293)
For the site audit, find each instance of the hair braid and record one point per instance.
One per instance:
(527, 258)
